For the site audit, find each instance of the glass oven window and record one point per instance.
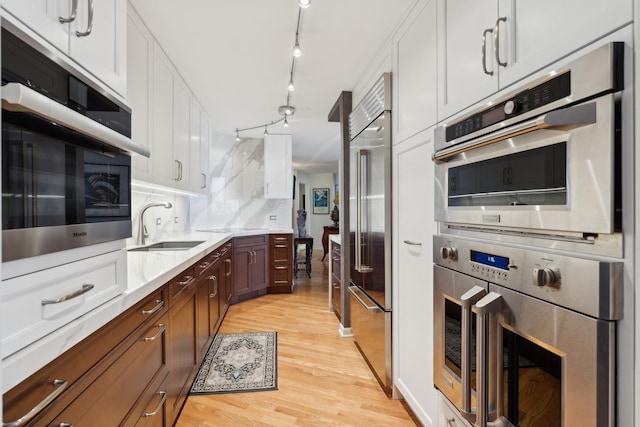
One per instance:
(532, 177)
(532, 383)
(453, 340)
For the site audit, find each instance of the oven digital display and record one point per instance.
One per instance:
(490, 260)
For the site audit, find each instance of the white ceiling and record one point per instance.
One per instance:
(236, 57)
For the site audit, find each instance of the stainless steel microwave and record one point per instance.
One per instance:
(66, 156)
(542, 162)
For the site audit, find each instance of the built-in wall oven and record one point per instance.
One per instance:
(528, 271)
(66, 156)
(525, 338)
(542, 161)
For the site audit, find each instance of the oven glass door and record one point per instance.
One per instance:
(556, 365)
(450, 289)
(52, 176)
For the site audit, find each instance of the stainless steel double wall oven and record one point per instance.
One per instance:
(528, 261)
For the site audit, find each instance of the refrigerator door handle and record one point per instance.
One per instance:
(361, 297)
(361, 210)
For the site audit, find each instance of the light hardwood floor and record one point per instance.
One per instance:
(322, 378)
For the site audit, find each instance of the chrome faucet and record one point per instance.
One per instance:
(142, 230)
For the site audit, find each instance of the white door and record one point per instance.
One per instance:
(204, 152)
(195, 178)
(536, 34)
(42, 16)
(140, 75)
(162, 155)
(462, 79)
(181, 131)
(414, 227)
(103, 51)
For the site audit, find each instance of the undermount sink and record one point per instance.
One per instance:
(169, 246)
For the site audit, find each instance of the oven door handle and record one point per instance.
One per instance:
(490, 304)
(19, 98)
(467, 300)
(564, 118)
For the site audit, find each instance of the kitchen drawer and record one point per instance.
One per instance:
(115, 392)
(82, 363)
(448, 416)
(261, 239)
(281, 274)
(181, 284)
(207, 262)
(37, 304)
(151, 410)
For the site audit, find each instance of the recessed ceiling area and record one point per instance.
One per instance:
(236, 57)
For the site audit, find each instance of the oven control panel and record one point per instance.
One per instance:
(588, 285)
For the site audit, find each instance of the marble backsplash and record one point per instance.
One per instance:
(235, 198)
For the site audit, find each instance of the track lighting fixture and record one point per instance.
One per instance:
(287, 109)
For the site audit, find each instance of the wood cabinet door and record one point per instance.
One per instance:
(242, 260)
(260, 268)
(215, 281)
(202, 312)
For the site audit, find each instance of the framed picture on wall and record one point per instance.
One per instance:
(321, 201)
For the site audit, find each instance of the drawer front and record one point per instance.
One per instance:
(281, 253)
(182, 283)
(261, 239)
(37, 304)
(111, 397)
(152, 409)
(202, 266)
(281, 274)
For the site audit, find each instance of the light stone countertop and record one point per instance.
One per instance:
(146, 272)
(335, 238)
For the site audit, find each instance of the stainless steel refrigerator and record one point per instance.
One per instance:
(370, 227)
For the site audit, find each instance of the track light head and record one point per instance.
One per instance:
(297, 50)
(286, 110)
(286, 122)
(304, 3)
(237, 135)
(291, 86)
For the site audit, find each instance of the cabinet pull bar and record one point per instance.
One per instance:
(205, 264)
(159, 305)
(61, 386)
(282, 267)
(280, 246)
(228, 261)
(484, 51)
(280, 239)
(157, 409)
(215, 286)
(496, 41)
(186, 282)
(162, 327)
(65, 425)
(411, 242)
(204, 181)
(90, 24)
(72, 17)
(85, 288)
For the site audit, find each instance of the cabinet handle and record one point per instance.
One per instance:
(60, 384)
(205, 264)
(72, 17)
(280, 239)
(186, 282)
(228, 262)
(85, 288)
(281, 267)
(159, 305)
(215, 286)
(281, 246)
(496, 38)
(90, 24)
(162, 327)
(451, 422)
(157, 409)
(412, 243)
(204, 180)
(484, 51)
(180, 169)
(65, 425)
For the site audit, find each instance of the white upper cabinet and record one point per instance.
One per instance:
(162, 110)
(415, 72)
(278, 167)
(140, 88)
(486, 45)
(181, 132)
(94, 35)
(198, 149)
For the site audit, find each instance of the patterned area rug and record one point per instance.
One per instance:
(238, 363)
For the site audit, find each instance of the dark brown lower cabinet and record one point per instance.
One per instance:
(136, 370)
(250, 266)
(281, 263)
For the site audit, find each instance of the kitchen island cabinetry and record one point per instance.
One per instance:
(516, 41)
(281, 264)
(250, 266)
(101, 51)
(413, 228)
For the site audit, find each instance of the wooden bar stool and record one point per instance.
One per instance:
(308, 242)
